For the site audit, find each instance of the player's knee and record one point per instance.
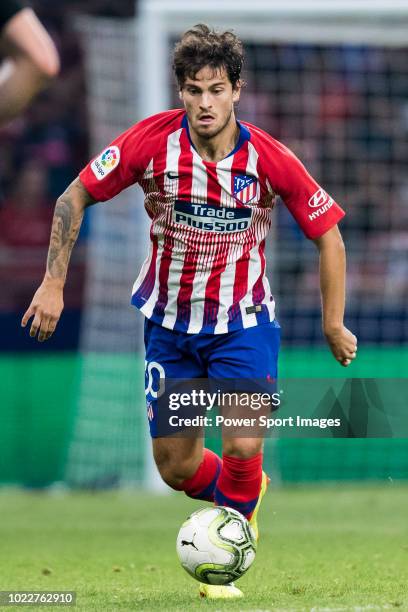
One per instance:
(174, 470)
(243, 448)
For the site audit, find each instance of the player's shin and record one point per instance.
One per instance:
(203, 483)
(239, 483)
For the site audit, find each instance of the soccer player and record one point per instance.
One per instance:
(30, 59)
(210, 185)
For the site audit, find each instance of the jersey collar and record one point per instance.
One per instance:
(244, 135)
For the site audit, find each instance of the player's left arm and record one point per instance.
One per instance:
(342, 342)
(318, 215)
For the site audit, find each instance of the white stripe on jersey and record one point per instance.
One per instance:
(172, 158)
(173, 284)
(227, 288)
(224, 179)
(223, 169)
(254, 262)
(270, 304)
(176, 265)
(147, 176)
(173, 153)
(199, 194)
(254, 270)
(144, 270)
(228, 276)
(199, 179)
(147, 308)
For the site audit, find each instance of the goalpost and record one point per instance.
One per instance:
(326, 79)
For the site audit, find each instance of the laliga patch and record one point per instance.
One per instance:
(105, 162)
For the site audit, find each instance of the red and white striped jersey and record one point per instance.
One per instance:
(205, 271)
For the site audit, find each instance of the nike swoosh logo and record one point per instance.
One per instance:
(172, 175)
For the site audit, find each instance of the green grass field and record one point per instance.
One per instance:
(329, 548)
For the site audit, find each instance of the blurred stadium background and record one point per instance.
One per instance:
(332, 84)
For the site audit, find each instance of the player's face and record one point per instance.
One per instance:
(209, 101)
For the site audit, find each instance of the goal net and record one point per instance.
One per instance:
(109, 437)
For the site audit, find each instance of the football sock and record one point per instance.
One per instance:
(239, 483)
(202, 484)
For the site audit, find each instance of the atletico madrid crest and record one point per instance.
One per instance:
(245, 188)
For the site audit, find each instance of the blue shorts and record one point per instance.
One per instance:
(250, 354)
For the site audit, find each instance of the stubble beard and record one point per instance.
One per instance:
(213, 134)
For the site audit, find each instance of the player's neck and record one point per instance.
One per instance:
(220, 146)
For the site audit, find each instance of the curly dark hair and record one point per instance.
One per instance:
(201, 47)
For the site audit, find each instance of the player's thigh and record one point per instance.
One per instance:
(247, 354)
(245, 364)
(165, 362)
(165, 355)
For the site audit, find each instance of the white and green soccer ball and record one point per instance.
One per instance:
(216, 545)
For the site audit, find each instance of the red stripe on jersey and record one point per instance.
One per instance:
(240, 286)
(165, 262)
(185, 171)
(213, 186)
(159, 167)
(241, 278)
(241, 268)
(185, 168)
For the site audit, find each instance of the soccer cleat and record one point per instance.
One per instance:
(218, 591)
(253, 520)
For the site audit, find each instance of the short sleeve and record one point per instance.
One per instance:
(121, 164)
(314, 210)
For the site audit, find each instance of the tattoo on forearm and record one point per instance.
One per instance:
(64, 232)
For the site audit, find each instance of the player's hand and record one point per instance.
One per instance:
(46, 307)
(343, 344)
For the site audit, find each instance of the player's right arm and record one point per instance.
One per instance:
(118, 166)
(47, 304)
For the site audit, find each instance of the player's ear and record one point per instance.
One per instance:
(180, 94)
(236, 91)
